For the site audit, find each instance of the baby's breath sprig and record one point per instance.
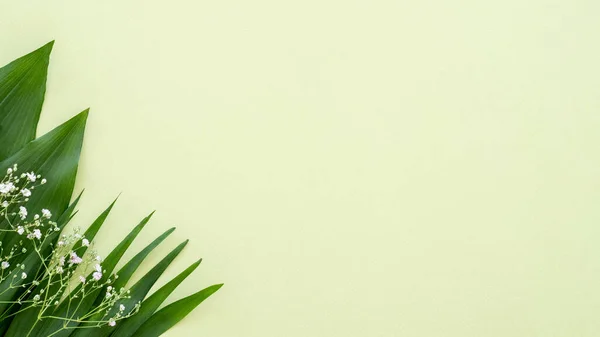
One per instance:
(70, 271)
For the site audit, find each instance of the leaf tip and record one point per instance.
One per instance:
(115, 201)
(80, 194)
(44, 51)
(49, 45)
(182, 245)
(77, 120)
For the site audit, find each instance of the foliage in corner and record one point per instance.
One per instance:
(52, 281)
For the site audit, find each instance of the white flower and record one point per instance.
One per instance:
(75, 259)
(6, 188)
(22, 212)
(59, 270)
(82, 279)
(26, 193)
(61, 261)
(23, 275)
(4, 265)
(121, 307)
(98, 268)
(9, 171)
(46, 213)
(5, 204)
(98, 258)
(112, 322)
(36, 234)
(31, 176)
(85, 242)
(36, 298)
(97, 276)
(20, 230)
(60, 243)
(43, 181)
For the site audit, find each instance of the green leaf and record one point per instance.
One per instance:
(32, 263)
(29, 314)
(55, 156)
(82, 305)
(170, 315)
(22, 90)
(129, 269)
(91, 232)
(128, 326)
(137, 294)
(11, 310)
(115, 256)
(70, 212)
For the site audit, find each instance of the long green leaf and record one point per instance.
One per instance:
(170, 315)
(9, 311)
(82, 305)
(92, 230)
(9, 288)
(115, 256)
(27, 315)
(128, 326)
(129, 269)
(137, 294)
(22, 90)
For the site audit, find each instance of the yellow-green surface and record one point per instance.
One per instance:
(347, 168)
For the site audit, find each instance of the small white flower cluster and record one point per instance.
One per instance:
(16, 189)
(71, 257)
(120, 314)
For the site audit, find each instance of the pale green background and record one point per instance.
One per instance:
(347, 168)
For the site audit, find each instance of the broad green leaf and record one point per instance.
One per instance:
(170, 315)
(128, 326)
(55, 156)
(22, 90)
(137, 294)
